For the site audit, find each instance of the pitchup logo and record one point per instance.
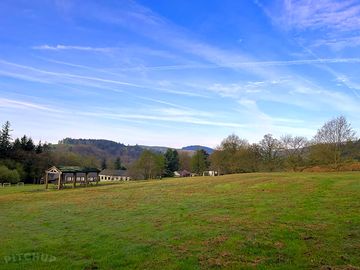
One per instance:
(29, 257)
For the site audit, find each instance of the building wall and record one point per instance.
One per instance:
(80, 177)
(113, 178)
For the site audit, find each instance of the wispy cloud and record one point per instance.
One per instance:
(303, 14)
(336, 22)
(163, 102)
(71, 47)
(147, 23)
(254, 110)
(235, 65)
(337, 43)
(166, 118)
(349, 83)
(35, 74)
(66, 75)
(243, 88)
(19, 104)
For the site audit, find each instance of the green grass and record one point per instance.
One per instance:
(247, 221)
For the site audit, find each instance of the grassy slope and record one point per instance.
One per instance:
(263, 221)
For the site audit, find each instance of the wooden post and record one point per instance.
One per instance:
(59, 181)
(74, 180)
(86, 179)
(46, 180)
(97, 178)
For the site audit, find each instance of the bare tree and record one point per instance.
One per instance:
(333, 136)
(294, 148)
(231, 155)
(269, 149)
(233, 143)
(149, 165)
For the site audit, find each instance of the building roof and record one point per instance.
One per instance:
(77, 169)
(113, 172)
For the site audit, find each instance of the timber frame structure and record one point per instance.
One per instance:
(63, 179)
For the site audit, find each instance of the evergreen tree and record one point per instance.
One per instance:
(23, 142)
(16, 152)
(199, 162)
(16, 145)
(39, 148)
(206, 158)
(117, 164)
(172, 162)
(5, 140)
(29, 146)
(103, 164)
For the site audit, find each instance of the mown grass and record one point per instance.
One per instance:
(247, 221)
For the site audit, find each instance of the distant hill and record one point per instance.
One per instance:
(101, 149)
(198, 147)
(109, 149)
(160, 149)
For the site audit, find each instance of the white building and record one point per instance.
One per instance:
(210, 173)
(114, 175)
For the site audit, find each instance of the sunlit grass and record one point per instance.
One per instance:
(264, 221)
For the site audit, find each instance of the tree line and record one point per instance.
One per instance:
(21, 159)
(152, 165)
(334, 144)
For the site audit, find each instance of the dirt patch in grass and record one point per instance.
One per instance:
(216, 241)
(223, 259)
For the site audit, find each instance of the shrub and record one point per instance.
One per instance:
(7, 175)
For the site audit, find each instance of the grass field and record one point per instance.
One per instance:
(247, 221)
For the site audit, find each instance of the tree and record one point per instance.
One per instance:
(29, 146)
(23, 142)
(150, 165)
(199, 162)
(219, 161)
(118, 165)
(172, 162)
(233, 143)
(294, 148)
(5, 140)
(103, 164)
(254, 157)
(8, 175)
(184, 161)
(269, 149)
(332, 138)
(231, 155)
(39, 148)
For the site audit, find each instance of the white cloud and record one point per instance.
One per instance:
(245, 88)
(19, 104)
(337, 43)
(336, 23)
(166, 116)
(304, 14)
(35, 74)
(71, 47)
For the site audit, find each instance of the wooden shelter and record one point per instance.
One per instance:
(71, 174)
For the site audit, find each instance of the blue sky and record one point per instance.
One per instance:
(177, 72)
